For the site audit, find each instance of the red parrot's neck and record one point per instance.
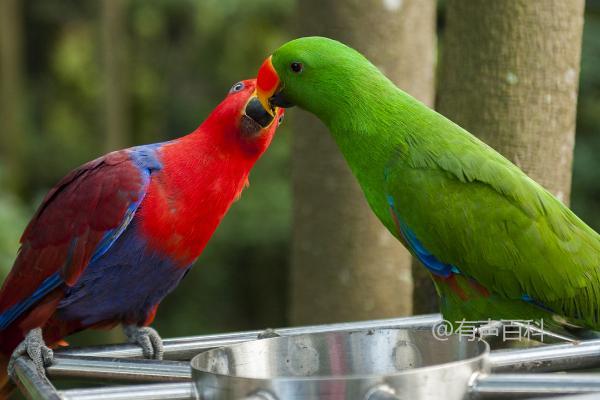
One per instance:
(202, 174)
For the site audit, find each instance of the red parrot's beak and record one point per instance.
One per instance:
(258, 113)
(255, 117)
(267, 83)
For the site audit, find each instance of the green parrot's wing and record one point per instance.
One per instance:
(473, 209)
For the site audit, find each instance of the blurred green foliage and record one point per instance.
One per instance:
(182, 57)
(13, 218)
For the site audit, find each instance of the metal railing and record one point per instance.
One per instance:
(515, 373)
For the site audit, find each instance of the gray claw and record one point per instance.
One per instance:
(148, 339)
(34, 346)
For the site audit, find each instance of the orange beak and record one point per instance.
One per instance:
(267, 83)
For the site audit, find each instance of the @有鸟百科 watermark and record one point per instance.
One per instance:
(507, 330)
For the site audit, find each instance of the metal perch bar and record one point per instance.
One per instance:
(31, 384)
(550, 358)
(517, 386)
(557, 357)
(85, 363)
(187, 347)
(501, 386)
(157, 391)
(119, 369)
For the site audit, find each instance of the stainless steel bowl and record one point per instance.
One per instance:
(366, 364)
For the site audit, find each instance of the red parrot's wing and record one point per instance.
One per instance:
(77, 222)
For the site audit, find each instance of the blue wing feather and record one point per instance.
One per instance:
(48, 285)
(427, 259)
(430, 261)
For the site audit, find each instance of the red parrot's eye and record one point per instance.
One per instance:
(296, 67)
(237, 87)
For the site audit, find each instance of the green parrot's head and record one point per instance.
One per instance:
(318, 74)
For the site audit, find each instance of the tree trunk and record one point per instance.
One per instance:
(114, 47)
(115, 78)
(345, 264)
(13, 130)
(509, 74)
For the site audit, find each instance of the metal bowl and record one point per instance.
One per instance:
(366, 364)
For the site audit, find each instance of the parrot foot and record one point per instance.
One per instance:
(147, 338)
(34, 346)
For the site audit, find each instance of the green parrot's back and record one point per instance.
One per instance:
(473, 209)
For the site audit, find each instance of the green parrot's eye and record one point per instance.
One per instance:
(280, 120)
(296, 67)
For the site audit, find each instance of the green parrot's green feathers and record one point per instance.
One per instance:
(472, 208)
(468, 206)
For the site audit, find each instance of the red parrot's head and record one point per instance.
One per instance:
(242, 115)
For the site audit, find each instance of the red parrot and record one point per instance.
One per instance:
(117, 234)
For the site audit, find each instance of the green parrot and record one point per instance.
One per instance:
(497, 244)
